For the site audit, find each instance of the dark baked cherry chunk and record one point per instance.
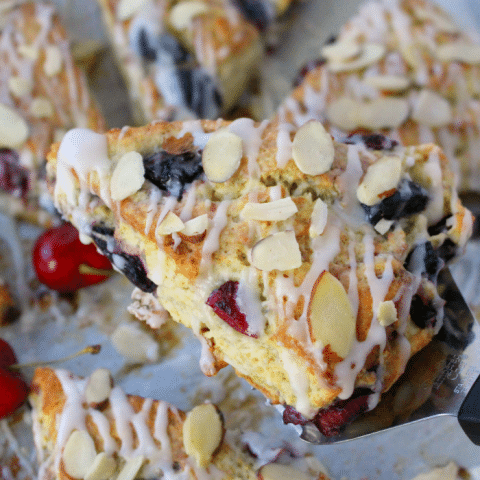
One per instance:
(424, 259)
(224, 304)
(171, 173)
(147, 50)
(13, 177)
(408, 199)
(422, 313)
(373, 141)
(254, 12)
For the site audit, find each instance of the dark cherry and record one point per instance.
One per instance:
(423, 314)
(306, 69)
(171, 173)
(290, 415)
(147, 50)
(373, 141)
(425, 259)
(408, 199)
(254, 12)
(14, 178)
(224, 304)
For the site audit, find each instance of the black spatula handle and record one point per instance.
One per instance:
(469, 413)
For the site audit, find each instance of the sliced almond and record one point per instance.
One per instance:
(19, 86)
(275, 211)
(319, 218)
(131, 468)
(312, 149)
(170, 224)
(330, 315)
(128, 8)
(441, 22)
(103, 467)
(432, 109)
(279, 251)
(41, 107)
(341, 51)
(386, 313)
(183, 13)
(461, 52)
(203, 433)
(29, 52)
(383, 112)
(128, 176)
(98, 387)
(134, 344)
(13, 128)
(383, 226)
(343, 113)
(388, 83)
(448, 472)
(79, 454)
(221, 156)
(53, 60)
(276, 471)
(382, 176)
(370, 54)
(195, 226)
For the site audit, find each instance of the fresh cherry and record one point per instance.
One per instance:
(64, 263)
(223, 302)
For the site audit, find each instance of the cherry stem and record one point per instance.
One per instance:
(88, 270)
(92, 349)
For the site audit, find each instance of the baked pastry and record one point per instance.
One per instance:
(308, 265)
(88, 428)
(403, 68)
(42, 94)
(182, 59)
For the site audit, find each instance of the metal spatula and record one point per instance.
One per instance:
(442, 379)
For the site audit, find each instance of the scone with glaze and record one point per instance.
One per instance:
(42, 95)
(308, 265)
(403, 68)
(90, 429)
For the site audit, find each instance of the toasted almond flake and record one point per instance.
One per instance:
(386, 313)
(41, 107)
(275, 211)
(202, 433)
(53, 60)
(341, 51)
(79, 454)
(196, 226)
(170, 224)
(134, 344)
(183, 13)
(103, 467)
(131, 468)
(330, 315)
(312, 149)
(343, 113)
(128, 176)
(462, 52)
(221, 156)
(276, 471)
(19, 86)
(371, 53)
(319, 218)
(13, 128)
(382, 176)
(441, 22)
(383, 112)
(128, 8)
(98, 387)
(383, 226)
(279, 251)
(389, 83)
(412, 55)
(432, 109)
(29, 52)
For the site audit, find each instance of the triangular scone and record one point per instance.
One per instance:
(404, 68)
(182, 58)
(89, 428)
(313, 286)
(42, 95)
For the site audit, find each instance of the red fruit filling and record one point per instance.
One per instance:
(7, 355)
(13, 177)
(223, 302)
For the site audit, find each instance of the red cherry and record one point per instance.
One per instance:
(7, 355)
(64, 263)
(223, 302)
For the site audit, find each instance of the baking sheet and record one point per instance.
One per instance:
(398, 454)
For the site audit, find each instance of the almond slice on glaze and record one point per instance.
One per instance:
(312, 149)
(432, 109)
(341, 51)
(131, 468)
(183, 13)
(13, 128)
(461, 52)
(279, 251)
(443, 23)
(388, 83)
(170, 224)
(127, 177)
(53, 60)
(275, 211)
(29, 52)
(19, 86)
(330, 315)
(343, 113)
(98, 387)
(371, 53)
(41, 107)
(319, 218)
(103, 467)
(383, 112)
(222, 155)
(79, 454)
(386, 313)
(203, 433)
(195, 226)
(128, 8)
(276, 471)
(382, 176)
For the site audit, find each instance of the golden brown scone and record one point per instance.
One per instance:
(42, 95)
(190, 58)
(89, 428)
(403, 68)
(306, 264)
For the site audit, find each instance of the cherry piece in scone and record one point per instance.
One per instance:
(13, 177)
(64, 263)
(224, 304)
